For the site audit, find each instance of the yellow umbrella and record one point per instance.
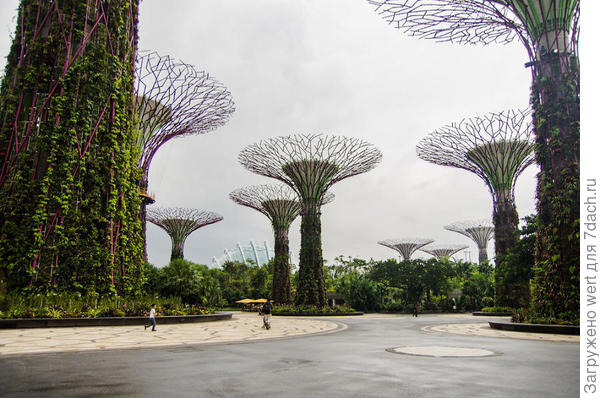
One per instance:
(245, 301)
(260, 301)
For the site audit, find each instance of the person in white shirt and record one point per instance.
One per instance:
(151, 319)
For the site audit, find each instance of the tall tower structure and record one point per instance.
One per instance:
(281, 205)
(496, 147)
(310, 164)
(479, 231)
(179, 223)
(405, 246)
(549, 31)
(68, 196)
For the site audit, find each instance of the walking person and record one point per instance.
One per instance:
(415, 310)
(151, 319)
(266, 310)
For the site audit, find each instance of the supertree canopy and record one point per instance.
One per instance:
(310, 164)
(480, 231)
(443, 250)
(173, 99)
(497, 148)
(68, 193)
(179, 223)
(405, 246)
(281, 205)
(549, 30)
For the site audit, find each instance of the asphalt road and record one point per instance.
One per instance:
(349, 363)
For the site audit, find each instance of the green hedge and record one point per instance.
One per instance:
(310, 309)
(68, 305)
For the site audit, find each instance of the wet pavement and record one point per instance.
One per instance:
(369, 356)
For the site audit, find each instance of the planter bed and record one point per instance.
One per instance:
(535, 328)
(108, 321)
(492, 314)
(317, 314)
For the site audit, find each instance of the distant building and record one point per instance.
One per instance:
(249, 254)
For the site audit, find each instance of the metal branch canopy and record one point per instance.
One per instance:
(405, 246)
(497, 147)
(310, 163)
(441, 251)
(173, 99)
(179, 223)
(480, 231)
(545, 25)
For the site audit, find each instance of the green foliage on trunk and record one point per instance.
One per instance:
(311, 282)
(281, 292)
(509, 292)
(555, 99)
(68, 196)
(514, 268)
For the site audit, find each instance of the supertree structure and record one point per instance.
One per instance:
(405, 246)
(281, 205)
(173, 99)
(441, 250)
(496, 147)
(480, 231)
(549, 31)
(179, 223)
(68, 195)
(310, 164)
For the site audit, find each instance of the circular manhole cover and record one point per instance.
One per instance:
(443, 351)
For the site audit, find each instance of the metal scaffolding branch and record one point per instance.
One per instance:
(173, 100)
(496, 147)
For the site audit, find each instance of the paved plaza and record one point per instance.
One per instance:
(374, 355)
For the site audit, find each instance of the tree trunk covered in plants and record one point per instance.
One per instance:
(69, 204)
(555, 100)
(281, 293)
(311, 282)
(176, 250)
(511, 290)
(483, 256)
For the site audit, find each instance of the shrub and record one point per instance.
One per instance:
(310, 309)
(497, 309)
(69, 305)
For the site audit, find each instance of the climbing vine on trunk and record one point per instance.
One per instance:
(68, 197)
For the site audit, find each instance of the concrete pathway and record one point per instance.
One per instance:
(243, 327)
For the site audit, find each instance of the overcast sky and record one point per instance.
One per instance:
(336, 67)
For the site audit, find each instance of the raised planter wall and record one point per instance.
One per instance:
(535, 328)
(108, 321)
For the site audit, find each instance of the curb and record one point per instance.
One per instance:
(535, 328)
(108, 321)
